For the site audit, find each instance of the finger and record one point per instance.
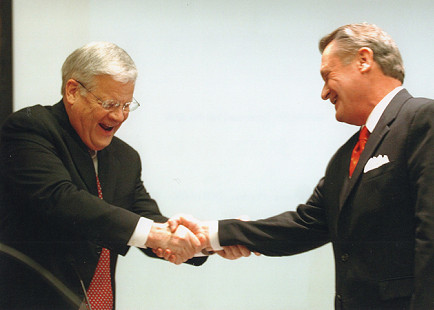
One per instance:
(191, 223)
(173, 224)
(243, 251)
(195, 242)
(172, 259)
(235, 252)
(202, 239)
(158, 252)
(228, 253)
(222, 253)
(189, 241)
(167, 254)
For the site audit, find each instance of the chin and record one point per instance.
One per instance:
(339, 118)
(101, 146)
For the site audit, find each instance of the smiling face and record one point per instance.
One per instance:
(344, 86)
(95, 125)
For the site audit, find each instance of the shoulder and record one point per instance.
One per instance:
(419, 111)
(29, 114)
(415, 104)
(422, 111)
(31, 119)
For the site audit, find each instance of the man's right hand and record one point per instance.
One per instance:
(201, 230)
(197, 227)
(181, 242)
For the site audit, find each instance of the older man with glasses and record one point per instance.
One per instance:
(72, 197)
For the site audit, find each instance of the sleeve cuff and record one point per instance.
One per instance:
(141, 233)
(213, 227)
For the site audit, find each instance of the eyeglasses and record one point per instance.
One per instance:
(111, 104)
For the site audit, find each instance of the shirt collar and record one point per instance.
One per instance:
(93, 155)
(376, 113)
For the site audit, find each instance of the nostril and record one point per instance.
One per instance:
(325, 93)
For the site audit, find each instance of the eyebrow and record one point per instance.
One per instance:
(324, 74)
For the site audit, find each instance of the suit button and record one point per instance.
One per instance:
(345, 257)
(339, 297)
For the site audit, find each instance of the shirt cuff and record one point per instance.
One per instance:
(141, 233)
(213, 230)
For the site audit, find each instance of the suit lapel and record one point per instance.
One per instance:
(77, 150)
(374, 141)
(84, 165)
(107, 164)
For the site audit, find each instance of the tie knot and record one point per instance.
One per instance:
(364, 134)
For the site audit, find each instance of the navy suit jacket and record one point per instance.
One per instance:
(50, 208)
(381, 223)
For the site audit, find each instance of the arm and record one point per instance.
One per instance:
(285, 234)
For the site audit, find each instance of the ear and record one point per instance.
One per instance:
(72, 91)
(365, 59)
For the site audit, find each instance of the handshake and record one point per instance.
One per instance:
(183, 236)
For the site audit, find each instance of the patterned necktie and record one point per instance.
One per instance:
(100, 292)
(358, 149)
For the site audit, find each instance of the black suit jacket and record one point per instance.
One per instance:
(50, 210)
(381, 223)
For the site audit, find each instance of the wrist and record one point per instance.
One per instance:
(213, 237)
(205, 235)
(158, 236)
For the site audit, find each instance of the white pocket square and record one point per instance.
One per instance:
(375, 162)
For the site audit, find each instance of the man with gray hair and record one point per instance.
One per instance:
(71, 193)
(375, 203)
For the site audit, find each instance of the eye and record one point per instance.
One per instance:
(110, 104)
(126, 106)
(325, 75)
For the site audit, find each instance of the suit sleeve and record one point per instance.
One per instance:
(421, 173)
(284, 234)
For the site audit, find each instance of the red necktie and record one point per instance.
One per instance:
(358, 149)
(100, 292)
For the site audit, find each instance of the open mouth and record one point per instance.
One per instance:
(334, 100)
(106, 128)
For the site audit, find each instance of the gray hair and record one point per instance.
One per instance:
(98, 58)
(350, 38)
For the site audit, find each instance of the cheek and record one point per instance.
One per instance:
(126, 116)
(97, 116)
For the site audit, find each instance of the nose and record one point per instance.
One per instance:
(325, 93)
(118, 114)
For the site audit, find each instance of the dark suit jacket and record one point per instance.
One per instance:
(50, 210)
(381, 223)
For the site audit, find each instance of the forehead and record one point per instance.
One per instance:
(110, 88)
(329, 60)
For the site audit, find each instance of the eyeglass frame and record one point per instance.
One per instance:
(112, 104)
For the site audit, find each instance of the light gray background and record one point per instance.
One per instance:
(231, 122)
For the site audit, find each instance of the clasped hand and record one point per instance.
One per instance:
(181, 241)
(191, 236)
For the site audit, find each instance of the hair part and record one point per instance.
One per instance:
(351, 38)
(98, 58)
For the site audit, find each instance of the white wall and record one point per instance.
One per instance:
(231, 122)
